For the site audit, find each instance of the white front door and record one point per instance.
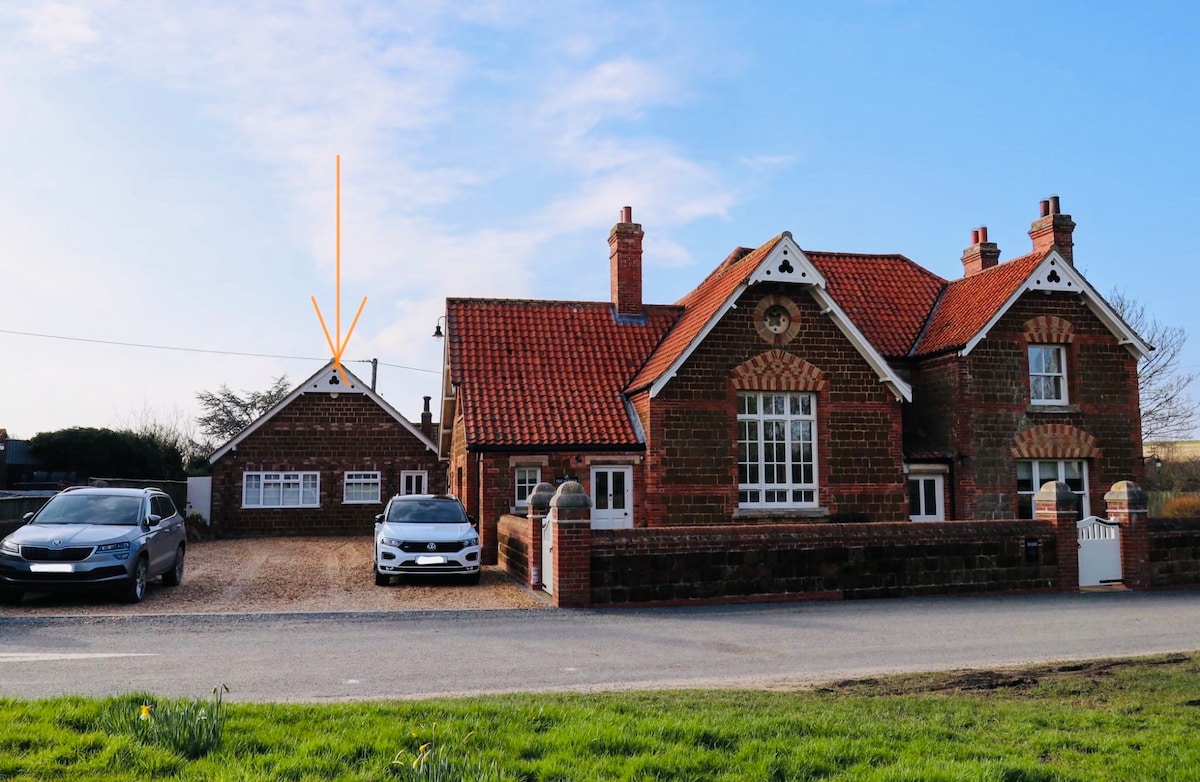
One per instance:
(612, 497)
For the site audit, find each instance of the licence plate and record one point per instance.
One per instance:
(52, 567)
(431, 560)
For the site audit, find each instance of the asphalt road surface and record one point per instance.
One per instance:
(348, 657)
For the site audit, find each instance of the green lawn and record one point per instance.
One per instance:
(1119, 720)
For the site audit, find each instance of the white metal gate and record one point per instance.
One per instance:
(547, 555)
(1099, 552)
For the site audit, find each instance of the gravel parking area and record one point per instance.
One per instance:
(269, 575)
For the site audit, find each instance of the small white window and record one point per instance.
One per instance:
(1032, 475)
(525, 479)
(361, 488)
(1047, 375)
(281, 490)
(925, 498)
(413, 482)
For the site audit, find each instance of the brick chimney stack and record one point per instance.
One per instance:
(625, 264)
(981, 255)
(427, 420)
(1053, 230)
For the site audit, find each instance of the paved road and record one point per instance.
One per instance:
(338, 657)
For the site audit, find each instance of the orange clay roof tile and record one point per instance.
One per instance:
(554, 373)
(547, 373)
(887, 296)
(968, 304)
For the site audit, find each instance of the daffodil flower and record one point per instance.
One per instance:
(144, 713)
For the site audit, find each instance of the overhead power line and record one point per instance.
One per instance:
(204, 350)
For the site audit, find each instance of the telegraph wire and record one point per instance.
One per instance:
(206, 350)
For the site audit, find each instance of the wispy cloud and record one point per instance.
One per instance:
(465, 166)
(767, 162)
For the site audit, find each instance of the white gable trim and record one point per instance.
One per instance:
(1055, 274)
(786, 262)
(883, 370)
(322, 382)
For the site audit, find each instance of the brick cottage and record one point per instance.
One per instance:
(794, 387)
(322, 462)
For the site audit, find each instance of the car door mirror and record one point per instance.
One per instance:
(474, 521)
(378, 517)
(27, 516)
(153, 520)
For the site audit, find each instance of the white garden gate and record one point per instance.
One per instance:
(547, 555)
(1099, 552)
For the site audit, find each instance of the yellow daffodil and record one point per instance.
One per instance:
(144, 713)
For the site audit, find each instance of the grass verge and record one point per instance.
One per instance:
(1117, 719)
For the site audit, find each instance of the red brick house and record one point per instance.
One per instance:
(322, 461)
(795, 385)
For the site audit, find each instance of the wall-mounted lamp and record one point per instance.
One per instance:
(437, 330)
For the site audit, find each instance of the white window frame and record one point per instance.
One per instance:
(1059, 473)
(362, 481)
(521, 498)
(1040, 376)
(779, 433)
(939, 487)
(406, 475)
(257, 488)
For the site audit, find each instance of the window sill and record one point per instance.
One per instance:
(781, 513)
(1053, 409)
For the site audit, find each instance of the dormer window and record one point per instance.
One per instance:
(1047, 375)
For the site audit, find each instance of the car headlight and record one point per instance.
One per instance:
(110, 548)
(393, 542)
(471, 541)
(10, 547)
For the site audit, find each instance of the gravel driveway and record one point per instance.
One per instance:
(268, 575)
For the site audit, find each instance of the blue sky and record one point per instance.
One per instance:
(169, 167)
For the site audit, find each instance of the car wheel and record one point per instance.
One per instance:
(473, 579)
(135, 588)
(10, 597)
(380, 579)
(173, 576)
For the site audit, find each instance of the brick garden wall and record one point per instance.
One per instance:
(1174, 553)
(794, 561)
(331, 436)
(515, 545)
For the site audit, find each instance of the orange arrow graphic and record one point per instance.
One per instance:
(338, 347)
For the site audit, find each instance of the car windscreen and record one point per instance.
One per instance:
(91, 509)
(427, 512)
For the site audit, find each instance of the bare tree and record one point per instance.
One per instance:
(226, 412)
(173, 428)
(1168, 409)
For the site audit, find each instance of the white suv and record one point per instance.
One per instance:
(425, 535)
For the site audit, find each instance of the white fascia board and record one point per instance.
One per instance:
(666, 377)
(787, 263)
(883, 370)
(1055, 274)
(319, 383)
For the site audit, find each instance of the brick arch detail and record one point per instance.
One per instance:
(1049, 329)
(778, 370)
(1055, 441)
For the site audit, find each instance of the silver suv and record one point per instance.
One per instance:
(87, 537)
(425, 535)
